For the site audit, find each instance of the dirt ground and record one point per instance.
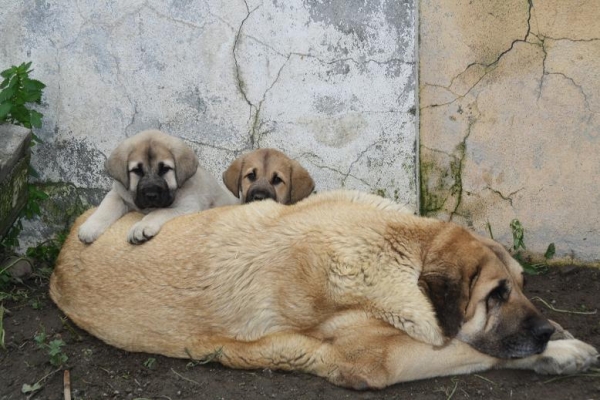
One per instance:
(99, 371)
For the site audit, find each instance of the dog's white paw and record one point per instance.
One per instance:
(142, 231)
(566, 357)
(560, 333)
(89, 232)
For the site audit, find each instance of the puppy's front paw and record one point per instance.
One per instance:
(566, 357)
(141, 232)
(89, 232)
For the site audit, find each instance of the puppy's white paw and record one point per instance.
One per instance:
(566, 357)
(89, 232)
(142, 231)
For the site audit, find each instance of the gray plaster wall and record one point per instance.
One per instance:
(331, 83)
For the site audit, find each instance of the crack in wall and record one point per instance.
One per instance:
(502, 196)
(486, 67)
(255, 134)
(456, 168)
(211, 146)
(240, 82)
(358, 157)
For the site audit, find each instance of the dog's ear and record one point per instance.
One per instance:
(116, 164)
(301, 183)
(448, 298)
(231, 177)
(186, 162)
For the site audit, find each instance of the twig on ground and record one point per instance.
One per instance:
(563, 311)
(485, 379)
(560, 378)
(184, 378)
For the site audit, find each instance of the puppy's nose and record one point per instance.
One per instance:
(257, 196)
(151, 194)
(542, 330)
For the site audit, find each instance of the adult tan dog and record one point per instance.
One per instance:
(343, 285)
(268, 174)
(157, 175)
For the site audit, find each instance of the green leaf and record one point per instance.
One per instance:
(550, 251)
(24, 68)
(8, 72)
(32, 97)
(30, 388)
(36, 119)
(32, 172)
(36, 139)
(13, 81)
(33, 84)
(6, 94)
(5, 109)
(4, 83)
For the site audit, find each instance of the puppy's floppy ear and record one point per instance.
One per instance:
(116, 164)
(301, 183)
(447, 296)
(186, 162)
(231, 177)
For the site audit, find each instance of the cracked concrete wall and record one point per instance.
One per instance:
(330, 83)
(509, 119)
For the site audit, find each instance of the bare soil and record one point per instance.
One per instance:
(99, 371)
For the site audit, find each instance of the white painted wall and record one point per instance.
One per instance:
(331, 83)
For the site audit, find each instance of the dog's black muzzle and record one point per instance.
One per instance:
(153, 193)
(530, 337)
(260, 192)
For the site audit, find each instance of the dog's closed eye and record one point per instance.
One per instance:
(498, 295)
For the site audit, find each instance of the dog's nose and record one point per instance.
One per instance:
(542, 330)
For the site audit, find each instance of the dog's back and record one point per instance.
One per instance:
(242, 271)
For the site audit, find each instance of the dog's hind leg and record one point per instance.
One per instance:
(288, 351)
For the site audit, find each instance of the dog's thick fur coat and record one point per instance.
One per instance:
(344, 285)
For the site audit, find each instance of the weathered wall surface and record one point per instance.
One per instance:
(510, 119)
(330, 83)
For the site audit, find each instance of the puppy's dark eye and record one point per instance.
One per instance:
(163, 169)
(276, 180)
(138, 170)
(251, 176)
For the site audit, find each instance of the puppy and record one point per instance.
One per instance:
(157, 175)
(268, 174)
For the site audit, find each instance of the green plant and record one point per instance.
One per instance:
(47, 252)
(518, 233)
(18, 89)
(150, 362)
(53, 348)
